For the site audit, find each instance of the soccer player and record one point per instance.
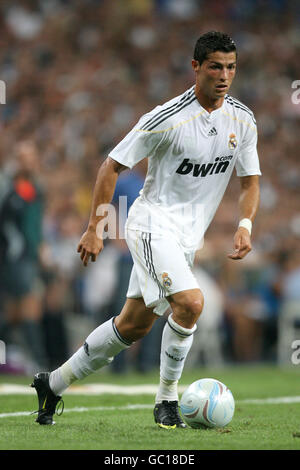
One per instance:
(193, 142)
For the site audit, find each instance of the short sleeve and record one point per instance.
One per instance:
(247, 162)
(137, 144)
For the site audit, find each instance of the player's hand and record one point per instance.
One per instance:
(242, 244)
(89, 246)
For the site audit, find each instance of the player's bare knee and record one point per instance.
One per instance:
(195, 308)
(188, 310)
(193, 311)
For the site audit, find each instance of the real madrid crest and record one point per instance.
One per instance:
(232, 143)
(166, 280)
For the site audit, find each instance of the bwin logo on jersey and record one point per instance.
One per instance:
(219, 166)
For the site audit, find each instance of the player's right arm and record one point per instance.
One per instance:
(138, 144)
(91, 243)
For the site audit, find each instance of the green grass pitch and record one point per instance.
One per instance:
(107, 421)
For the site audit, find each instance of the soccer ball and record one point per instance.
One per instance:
(207, 403)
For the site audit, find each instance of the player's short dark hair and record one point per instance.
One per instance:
(211, 42)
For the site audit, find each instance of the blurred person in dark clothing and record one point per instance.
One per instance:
(59, 273)
(21, 216)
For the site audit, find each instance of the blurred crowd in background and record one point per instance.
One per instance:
(78, 76)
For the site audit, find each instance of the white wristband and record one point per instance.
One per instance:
(246, 223)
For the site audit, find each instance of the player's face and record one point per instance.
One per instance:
(215, 75)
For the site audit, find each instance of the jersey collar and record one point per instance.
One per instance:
(205, 113)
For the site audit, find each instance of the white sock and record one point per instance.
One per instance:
(175, 345)
(167, 390)
(57, 383)
(98, 350)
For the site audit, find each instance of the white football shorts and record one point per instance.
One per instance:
(161, 268)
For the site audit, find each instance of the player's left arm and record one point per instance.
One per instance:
(248, 206)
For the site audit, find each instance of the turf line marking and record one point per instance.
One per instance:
(88, 389)
(270, 401)
(83, 409)
(112, 389)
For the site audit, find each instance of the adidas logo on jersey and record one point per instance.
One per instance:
(219, 166)
(212, 132)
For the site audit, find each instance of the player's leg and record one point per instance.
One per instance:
(98, 350)
(177, 340)
(104, 343)
(30, 311)
(176, 343)
(163, 273)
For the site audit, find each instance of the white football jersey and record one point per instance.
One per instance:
(191, 155)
